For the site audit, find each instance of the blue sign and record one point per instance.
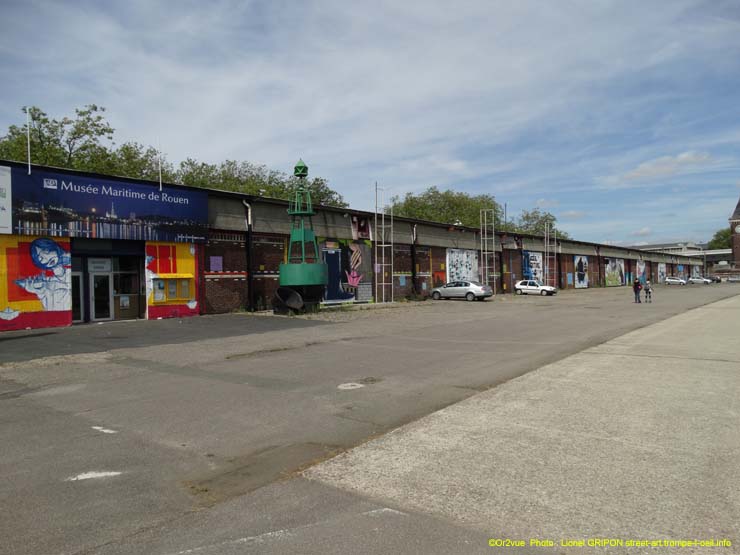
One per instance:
(68, 205)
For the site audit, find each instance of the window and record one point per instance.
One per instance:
(184, 288)
(171, 289)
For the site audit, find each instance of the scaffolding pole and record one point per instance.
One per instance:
(383, 248)
(488, 247)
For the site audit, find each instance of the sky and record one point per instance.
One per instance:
(622, 118)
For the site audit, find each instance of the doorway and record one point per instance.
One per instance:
(101, 297)
(78, 299)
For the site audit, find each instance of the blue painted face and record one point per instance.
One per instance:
(46, 254)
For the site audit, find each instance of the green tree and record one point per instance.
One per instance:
(450, 207)
(76, 143)
(535, 222)
(722, 239)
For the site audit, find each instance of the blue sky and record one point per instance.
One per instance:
(620, 117)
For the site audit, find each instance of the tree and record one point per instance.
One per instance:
(535, 222)
(70, 143)
(85, 143)
(722, 239)
(450, 207)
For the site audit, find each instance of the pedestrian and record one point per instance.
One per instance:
(648, 292)
(636, 287)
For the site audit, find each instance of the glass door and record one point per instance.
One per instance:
(78, 303)
(101, 297)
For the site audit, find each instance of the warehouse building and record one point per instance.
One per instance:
(78, 247)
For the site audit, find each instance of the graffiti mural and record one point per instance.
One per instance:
(35, 282)
(661, 272)
(640, 271)
(580, 264)
(462, 264)
(614, 272)
(696, 271)
(350, 270)
(532, 265)
(361, 228)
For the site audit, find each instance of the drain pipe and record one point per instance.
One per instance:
(414, 285)
(248, 243)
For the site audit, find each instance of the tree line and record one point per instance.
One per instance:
(85, 142)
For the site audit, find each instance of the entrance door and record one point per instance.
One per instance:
(78, 303)
(101, 297)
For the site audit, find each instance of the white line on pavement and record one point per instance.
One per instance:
(104, 430)
(93, 474)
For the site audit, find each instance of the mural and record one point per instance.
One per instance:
(640, 271)
(614, 272)
(361, 228)
(681, 271)
(661, 272)
(462, 264)
(696, 271)
(170, 280)
(580, 263)
(350, 270)
(35, 282)
(532, 265)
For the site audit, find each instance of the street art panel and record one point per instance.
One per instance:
(170, 280)
(462, 264)
(350, 270)
(361, 229)
(532, 267)
(614, 272)
(681, 271)
(640, 272)
(35, 282)
(661, 272)
(696, 271)
(580, 263)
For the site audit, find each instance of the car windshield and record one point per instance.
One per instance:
(538, 283)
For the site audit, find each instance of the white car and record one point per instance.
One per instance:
(533, 287)
(699, 279)
(671, 280)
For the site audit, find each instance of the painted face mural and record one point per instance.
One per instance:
(581, 267)
(532, 265)
(640, 271)
(54, 291)
(661, 272)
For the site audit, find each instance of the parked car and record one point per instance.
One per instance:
(533, 287)
(699, 279)
(470, 290)
(733, 279)
(672, 280)
(716, 279)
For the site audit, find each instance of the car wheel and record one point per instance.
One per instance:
(518, 291)
(436, 296)
(543, 292)
(470, 297)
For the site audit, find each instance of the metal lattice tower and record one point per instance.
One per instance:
(488, 247)
(383, 248)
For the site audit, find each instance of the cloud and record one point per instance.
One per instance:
(546, 203)
(642, 232)
(666, 166)
(573, 214)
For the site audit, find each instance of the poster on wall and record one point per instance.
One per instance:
(640, 271)
(580, 263)
(614, 272)
(361, 228)
(67, 205)
(532, 265)
(35, 282)
(350, 270)
(696, 271)
(680, 270)
(661, 272)
(462, 264)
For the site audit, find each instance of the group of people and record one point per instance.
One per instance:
(637, 286)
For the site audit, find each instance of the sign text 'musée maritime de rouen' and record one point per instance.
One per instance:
(65, 205)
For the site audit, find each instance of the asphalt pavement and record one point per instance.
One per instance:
(195, 443)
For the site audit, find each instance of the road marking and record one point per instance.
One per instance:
(104, 430)
(91, 475)
(350, 385)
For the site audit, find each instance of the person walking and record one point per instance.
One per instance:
(648, 292)
(636, 286)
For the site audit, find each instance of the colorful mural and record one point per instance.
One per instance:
(661, 272)
(35, 282)
(614, 272)
(462, 264)
(580, 264)
(532, 267)
(350, 270)
(640, 272)
(696, 271)
(170, 280)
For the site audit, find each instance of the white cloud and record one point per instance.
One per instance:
(546, 203)
(642, 232)
(573, 214)
(666, 166)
